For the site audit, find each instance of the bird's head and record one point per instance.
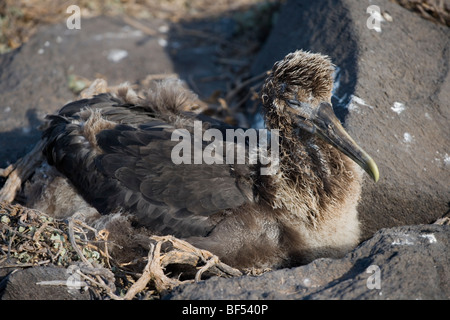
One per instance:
(297, 96)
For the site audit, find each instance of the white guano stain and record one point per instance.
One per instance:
(446, 159)
(124, 34)
(409, 240)
(407, 137)
(355, 102)
(403, 240)
(398, 107)
(115, 55)
(430, 237)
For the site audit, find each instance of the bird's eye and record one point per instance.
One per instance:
(302, 110)
(294, 103)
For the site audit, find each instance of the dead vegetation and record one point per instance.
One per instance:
(31, 238)
(20, 19)
(437, 11)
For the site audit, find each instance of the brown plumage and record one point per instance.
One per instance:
(116, 151)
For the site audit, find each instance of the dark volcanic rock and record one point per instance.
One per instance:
(23, 285)
(392, 92)
(410, 262)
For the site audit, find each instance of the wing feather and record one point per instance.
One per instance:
(131, 169)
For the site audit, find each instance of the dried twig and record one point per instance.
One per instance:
(434, 10)
(100, 283)
(153, 270)
(239, 87)
(22, 171)
(140, 26)
(74, 244)
(6, 172)
(185, 249)
(24, 265)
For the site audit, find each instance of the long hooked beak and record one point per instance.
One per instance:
(329, 128)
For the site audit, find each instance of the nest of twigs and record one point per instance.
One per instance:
(31, 238)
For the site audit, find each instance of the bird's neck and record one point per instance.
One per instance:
(303, 155)
(307, 161)
(313, 176)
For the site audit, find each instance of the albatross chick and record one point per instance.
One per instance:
(116, 151)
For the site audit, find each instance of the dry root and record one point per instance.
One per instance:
(19, 172)
(182, 253)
